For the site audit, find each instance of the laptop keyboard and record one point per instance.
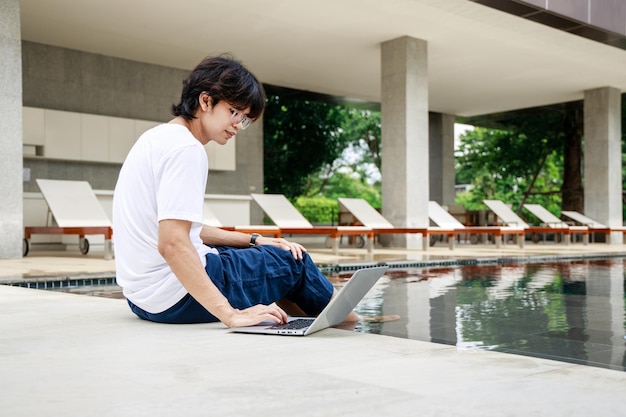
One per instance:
(294, 324)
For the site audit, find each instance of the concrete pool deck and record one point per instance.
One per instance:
(70, 355)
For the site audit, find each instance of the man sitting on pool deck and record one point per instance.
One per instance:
(174, 269)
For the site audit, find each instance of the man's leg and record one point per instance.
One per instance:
(266, 274)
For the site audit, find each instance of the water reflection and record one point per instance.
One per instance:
(568, 311)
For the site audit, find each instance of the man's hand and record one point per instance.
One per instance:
(296, 249)
(255, 315)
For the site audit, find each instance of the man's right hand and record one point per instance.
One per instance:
(255, 315)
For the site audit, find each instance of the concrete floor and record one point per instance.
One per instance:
(71, 355)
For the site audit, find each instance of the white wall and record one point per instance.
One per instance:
(74, 136)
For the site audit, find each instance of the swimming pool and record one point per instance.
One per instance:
(572, 310)
(568, 311)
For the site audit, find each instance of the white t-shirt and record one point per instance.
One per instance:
(163, 177)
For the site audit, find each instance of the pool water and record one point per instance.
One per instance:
(567, 311)
(572, 311)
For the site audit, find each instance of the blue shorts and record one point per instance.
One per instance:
(259, 275)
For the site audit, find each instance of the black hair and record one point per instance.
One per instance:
(222, 78)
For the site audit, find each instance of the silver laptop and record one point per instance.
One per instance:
(335, 312)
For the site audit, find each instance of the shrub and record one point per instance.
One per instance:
(318, 210)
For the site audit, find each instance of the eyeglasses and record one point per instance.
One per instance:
(238, 117)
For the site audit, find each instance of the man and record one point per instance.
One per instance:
(174, 269)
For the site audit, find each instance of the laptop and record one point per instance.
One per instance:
(334, 313)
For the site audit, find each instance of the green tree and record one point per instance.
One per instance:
(343, 184)
(572, 191)
(363, 132)
(535, 157)
(315, 152)
(300, 137)
(318, 210)
(356, 172)
(510, 167)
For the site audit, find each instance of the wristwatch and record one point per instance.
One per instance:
(253, 237)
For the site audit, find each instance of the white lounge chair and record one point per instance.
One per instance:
(584, 220)
(370, 217)
(443, 219)
(76, 211)
(550, 220)
(211, 219)
(593, 225)
(290, 221)
(508, 217)
(505, 214)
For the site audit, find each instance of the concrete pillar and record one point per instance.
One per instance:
(603, 157)
(250, 165)
(441, 149)
(404, 120)
(11, 217)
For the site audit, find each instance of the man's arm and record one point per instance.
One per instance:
(215, 236)
(177, 249)
(219, 237)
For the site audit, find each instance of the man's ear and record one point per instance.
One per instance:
(206, 101)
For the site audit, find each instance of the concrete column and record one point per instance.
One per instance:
(250, 165)
(441, 146)
(404, 119)
(603, 157)
(11, 217)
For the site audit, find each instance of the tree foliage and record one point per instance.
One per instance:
(318, 210)
(507, 166)
(321, 151)
(534, 158)
(363, 132)
(356, 173)
(343, 184)
(300, 136)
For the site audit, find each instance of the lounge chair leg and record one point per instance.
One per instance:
(335, 245)
(108, 249)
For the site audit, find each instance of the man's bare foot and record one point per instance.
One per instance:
(352, 318)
